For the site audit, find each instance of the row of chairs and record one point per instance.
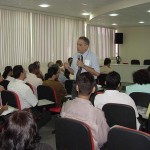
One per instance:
(44, 92)
(137, 62)
(75, 135)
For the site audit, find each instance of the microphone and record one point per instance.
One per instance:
(79, 58)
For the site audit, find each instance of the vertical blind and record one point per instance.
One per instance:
(29, 36)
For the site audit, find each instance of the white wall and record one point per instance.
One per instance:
(136, 43)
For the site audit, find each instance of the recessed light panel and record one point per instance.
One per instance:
(44, 5)
(85, 14)
(114, 24)
(141, 22)
(113, 15)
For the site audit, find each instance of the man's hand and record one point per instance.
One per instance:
(80, 63)
(1, 88)
(5, 107)
(66, 65)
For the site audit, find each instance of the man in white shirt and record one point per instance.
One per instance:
(32, 78)
(112, 95)
(26, 96)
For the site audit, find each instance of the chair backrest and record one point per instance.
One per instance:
(69, 85)
(120, 114)
(121, 138)
(46, 92)
(10, 98)
(135, 62)
(141, 99)
(73, 135)
(146, 62)
(30, 85)
(101, 79)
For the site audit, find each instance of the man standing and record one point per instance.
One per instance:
(82, 109)
(84, 60)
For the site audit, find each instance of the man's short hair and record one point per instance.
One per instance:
(17, 70)
(85, 39)
(85, 83)
(141, 76)
(107, 61)
(59, 63)
(53, 70)
(32, 67)
(112, 80)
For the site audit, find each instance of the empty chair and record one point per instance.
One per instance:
(141, 99)
(46, 92)
(73, 135)
(10, 98)
(120, 114)
(121, 138)
(146, 62)
(135, 62)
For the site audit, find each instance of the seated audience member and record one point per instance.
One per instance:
(26, 96)
(39, 74)
(67, 73)
(7, 74)
(32, 78)
(3, 83)
(60, 65)
(20, 133)
(53, 73)
(112, 95)
(82, 109)
(48, 65)
(61, 76)
(105, 69)
(141, 79)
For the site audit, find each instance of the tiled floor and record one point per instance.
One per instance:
(46, 133)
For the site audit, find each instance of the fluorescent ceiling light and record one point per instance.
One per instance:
(112, 15)
(141, 22)
(85, 14)
(148, 11)
(84, 4)
(44, 5)
(114, 24)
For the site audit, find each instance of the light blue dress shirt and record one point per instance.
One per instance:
(89, 59)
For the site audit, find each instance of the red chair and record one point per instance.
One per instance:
(27, 83)
(46, 92)
(73, 135)
(10, 98)
(122, 138)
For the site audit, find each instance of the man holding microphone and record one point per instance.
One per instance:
(83, 61)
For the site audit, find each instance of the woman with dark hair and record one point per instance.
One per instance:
(20, 133)
(7, 74)
(141, 79)
(52, 81)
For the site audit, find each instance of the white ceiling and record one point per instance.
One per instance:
(130, 11)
